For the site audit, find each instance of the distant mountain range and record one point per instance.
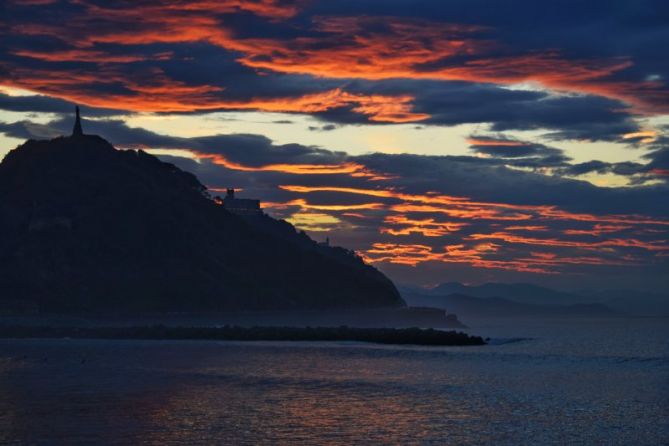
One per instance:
(523, 299)
(518, 292)
(467, 306)
(88, 228)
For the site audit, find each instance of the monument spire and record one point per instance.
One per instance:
(77, 131)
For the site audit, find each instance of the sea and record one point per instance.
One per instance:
(537, 382)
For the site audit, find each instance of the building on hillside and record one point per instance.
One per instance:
(240, 206)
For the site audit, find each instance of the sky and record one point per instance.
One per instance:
(462, 140)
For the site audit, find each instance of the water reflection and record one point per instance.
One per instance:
(205, 392)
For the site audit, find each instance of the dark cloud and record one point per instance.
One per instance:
(659, 162)
(488, 180)
(29, 130)
(472, 211)
(583, 29)
(500, 147)
(481, 178)
(626, 168)
(211, 57)
(454, 103)
(323, 128)
(46, 104)
(512, 211)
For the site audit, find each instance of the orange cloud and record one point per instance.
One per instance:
(176, 22)
(348, 47)
(414, 254)
(352, 169)
(475, 256)
(645, 137)
(427, 227)
(355, 215)
(527, 228)
(463, 207)
(315, 221)
(610, 243)
(494, 142)
(348, 168)
(297, 169)
(267, 8)
(465, 211)
(486, 250)
(597, 230)
(554, 213)
(80, 56)
(155, 92)
(325, 207)
(278, 9)
(336, 47)
(411, 254)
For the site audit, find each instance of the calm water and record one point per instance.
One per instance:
(592, 383)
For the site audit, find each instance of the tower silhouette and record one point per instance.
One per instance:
(77, 131)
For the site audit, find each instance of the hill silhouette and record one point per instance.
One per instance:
(86, 227)
(629, 301)
(499, 307)
(518, 292)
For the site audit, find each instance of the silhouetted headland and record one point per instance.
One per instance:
(85, 227)
(415, 336)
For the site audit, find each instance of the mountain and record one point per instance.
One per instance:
(631, 302)
(472, 307)
(85, 227)
(518, 292)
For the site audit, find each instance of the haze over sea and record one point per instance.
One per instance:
(550, 381)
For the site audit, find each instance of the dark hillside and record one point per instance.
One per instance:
(85, 227)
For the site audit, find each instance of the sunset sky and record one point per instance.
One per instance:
(461, 140)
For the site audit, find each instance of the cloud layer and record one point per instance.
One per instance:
(411, 211)
(357, 62)
(530, 76)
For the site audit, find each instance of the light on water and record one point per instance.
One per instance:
(588, 383)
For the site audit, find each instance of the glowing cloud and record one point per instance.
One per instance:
(314, 221)
(428, 227)
(360, 47)
(347, 48)
(539, 263)
(352, 169)
(600, 245)
(303, 204)
(463, 207)
(496, 249)
(644, 137)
